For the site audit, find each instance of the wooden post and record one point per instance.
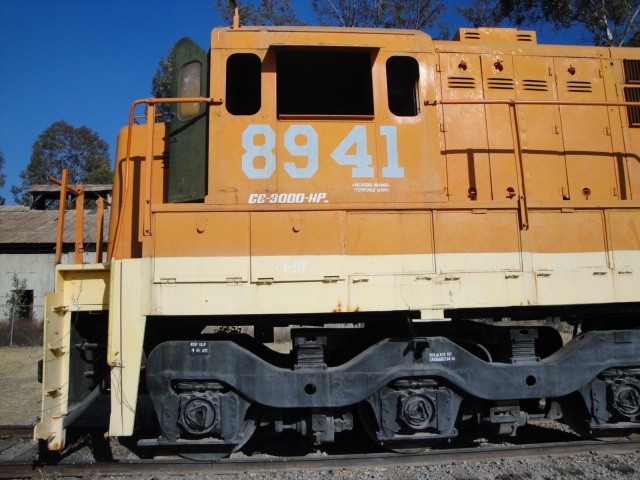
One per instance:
(61, 210)
(99, 228)
(13, 308)
(79, 257)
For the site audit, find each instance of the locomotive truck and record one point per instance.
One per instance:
(423, 214)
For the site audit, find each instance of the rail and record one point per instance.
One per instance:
(261, 465)
(78, 192)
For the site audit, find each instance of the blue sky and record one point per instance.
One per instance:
(85, 61)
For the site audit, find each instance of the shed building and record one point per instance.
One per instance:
(28, 242)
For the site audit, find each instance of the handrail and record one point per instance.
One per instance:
(149, 154)
(78, 192)
(513, 104)
(101, 202)
(532, 102)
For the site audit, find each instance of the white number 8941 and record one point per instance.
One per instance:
(360, 161)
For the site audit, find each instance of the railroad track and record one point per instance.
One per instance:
(16, 431)
(177, 466)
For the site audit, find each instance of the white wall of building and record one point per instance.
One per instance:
(38, 270)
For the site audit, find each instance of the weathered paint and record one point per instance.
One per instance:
(429, 217)
(78, 288)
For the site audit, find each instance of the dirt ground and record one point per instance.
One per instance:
(20, 391)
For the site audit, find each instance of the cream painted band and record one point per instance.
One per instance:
(431, 283)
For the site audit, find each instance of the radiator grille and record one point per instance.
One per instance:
(462, 82)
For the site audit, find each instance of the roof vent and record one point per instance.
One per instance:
(500, 35)
(526, 37)
(631, 71)
(578, 86)
(501, 83)
(471, 35)
(462, 82)
(535, 85)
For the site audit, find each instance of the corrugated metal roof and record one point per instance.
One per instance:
(20, 225)
(90, 187)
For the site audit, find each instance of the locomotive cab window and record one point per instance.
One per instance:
(334, 82)
(402, 86)
(243, 84)
(190, 87)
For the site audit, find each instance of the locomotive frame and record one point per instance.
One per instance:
(405, 186)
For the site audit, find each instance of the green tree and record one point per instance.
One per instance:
(80, 150)
(612, 23)
(482, 13)
(161, 82)
(15, 299)
(2, 176)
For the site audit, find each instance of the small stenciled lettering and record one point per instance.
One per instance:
(260, 198)
(371, 187)
(441, 357)
(198, 348)
(295, 267)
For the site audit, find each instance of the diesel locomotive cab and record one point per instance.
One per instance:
(437, 215)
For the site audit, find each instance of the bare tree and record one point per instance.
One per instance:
(612, 23)
(262, 12)
(411, 14)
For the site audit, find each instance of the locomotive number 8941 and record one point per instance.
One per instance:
(424, 217)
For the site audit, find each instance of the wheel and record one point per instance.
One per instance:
(368, 421)
(213, 453)
(577, 416)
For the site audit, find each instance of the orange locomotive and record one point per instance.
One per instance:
(403, 186)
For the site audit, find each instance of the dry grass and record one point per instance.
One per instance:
(20, 391)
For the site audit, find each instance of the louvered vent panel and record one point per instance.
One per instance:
(535, 85)
(579, 86)
(501, 83)
(524, 37)
(631, 71)
(472, 35)
(632, 94)
(462, 82)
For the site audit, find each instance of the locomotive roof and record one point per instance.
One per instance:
(262, 37)
(505, 41)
